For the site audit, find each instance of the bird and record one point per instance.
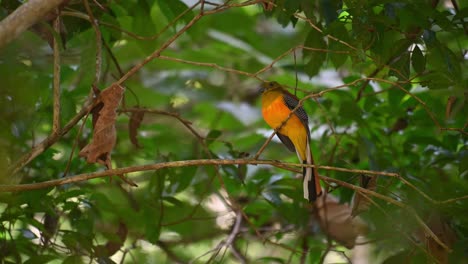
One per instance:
(292, 128)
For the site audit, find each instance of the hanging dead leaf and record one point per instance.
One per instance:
(399, 125)
(361, 203)
(337, 222)
(449, 107)
(133, 126)
(268, 5)
(51, 220)
(95, 113)
(113, 245)
(104, 133)
(444, 232)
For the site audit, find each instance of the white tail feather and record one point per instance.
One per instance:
(308, 170)
(308, 175)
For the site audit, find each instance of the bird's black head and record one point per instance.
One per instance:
(268, 86)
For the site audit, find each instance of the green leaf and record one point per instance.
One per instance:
(401, 67)
(284, 11)
(180, 178)
(443, 60)
(349, 110)
(42, 259)
(418, 60)
(436, 80)
(87, 42)
(145, 22)
(308, 8)
(179, 7)
(316, 58)
(74, 259)
(161, 14)
(270, 260)
(151, 214)
(463, 163)
(338, 29)
(68, 107)
(329, 9)
(172, 200)
(212, 136)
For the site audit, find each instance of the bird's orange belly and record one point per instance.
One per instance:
(276, 113)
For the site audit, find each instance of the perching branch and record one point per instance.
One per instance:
(204, 162)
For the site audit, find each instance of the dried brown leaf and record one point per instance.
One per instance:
(133, 125)
(268, 5)
(449, 107)
(51, 220)
(337, 222)
(112, 246)
(443, 231)
(399, 125)
(95, 113)
(104, 133)
(361, 203)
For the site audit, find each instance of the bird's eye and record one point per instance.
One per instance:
(271, 84)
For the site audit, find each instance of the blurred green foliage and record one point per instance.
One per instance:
(414, 50)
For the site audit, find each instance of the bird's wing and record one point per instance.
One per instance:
(291, 101)
(286, 141)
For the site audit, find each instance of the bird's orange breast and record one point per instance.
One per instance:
(275, 112)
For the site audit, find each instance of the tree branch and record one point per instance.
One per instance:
(97, 32)
(24, 17)
(56, 84)
(171, 164)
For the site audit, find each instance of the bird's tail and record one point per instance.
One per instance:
(311, 183)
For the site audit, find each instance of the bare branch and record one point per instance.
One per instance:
(173, 164)
(56, 86)
(24, 17)
(97, 32)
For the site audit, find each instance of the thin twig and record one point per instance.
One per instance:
(75, 144)
(56, 84)
(169, 253)
(292, 50)
(241, 258)
(157, 53)
(113, 58)
(452, 200)
(211, 65)
(227, 242)
(129, 33)
(49, 141)
(97, 32)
